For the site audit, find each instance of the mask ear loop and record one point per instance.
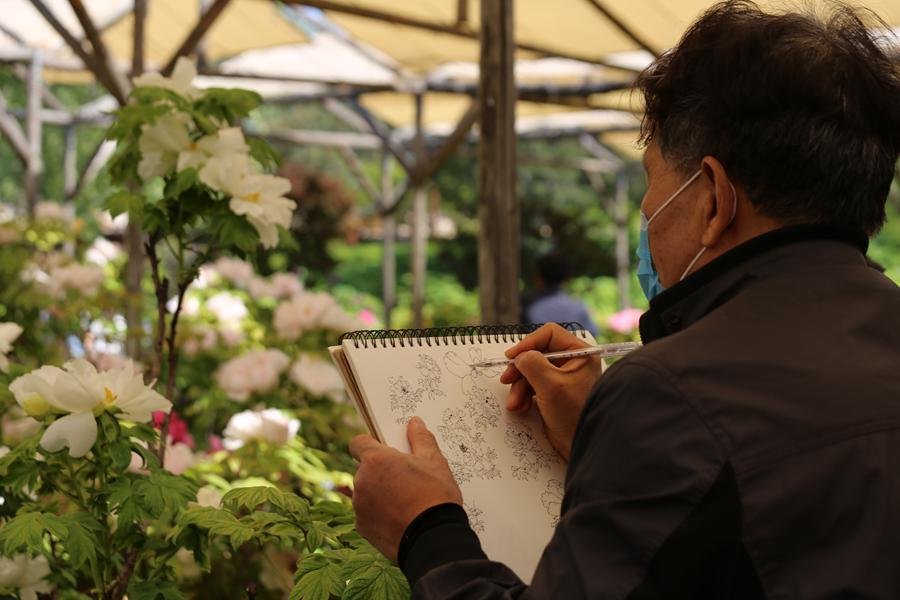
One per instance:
(702, 250)
(673, 196)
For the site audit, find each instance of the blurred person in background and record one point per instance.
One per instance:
(551, 303)
(751, 448)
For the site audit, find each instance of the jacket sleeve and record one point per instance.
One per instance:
(642, 460)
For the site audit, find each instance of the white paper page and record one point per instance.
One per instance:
(511, 478)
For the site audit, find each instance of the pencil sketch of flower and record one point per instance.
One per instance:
(551, 499)
(430, 377)
(476, 517)
(461, 367)
(484, 407)
(528, 451)
(405, 399)
(466, 450)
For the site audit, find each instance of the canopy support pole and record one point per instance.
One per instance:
(420, 225)
(12, 132)
(35, 164)
(101, 56)
(389, 241)
(89, 60)
(70, 165)
(134, 236)
(498, 208)
(193, 38)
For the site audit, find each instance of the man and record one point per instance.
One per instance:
(751, 449)
(552, 304)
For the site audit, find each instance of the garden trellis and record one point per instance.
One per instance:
(402, 75)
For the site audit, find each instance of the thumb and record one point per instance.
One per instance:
(421, 441)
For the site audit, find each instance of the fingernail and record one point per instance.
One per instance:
(417, 421)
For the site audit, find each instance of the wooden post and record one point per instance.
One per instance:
(389, 240)
(420, 226)
(134, 236)
(623, 250)
(498, 209)
(70, 165)
(35, 164)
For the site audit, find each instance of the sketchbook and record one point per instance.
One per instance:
(511, 478)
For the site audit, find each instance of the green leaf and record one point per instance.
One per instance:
(81, 539)
(236, 232)
(183, 181)
(120, 453)
(154, 190)
(121, 202)
(248, 498)
(228, 104)
(218, 522)
(380, 581)
(317, 579)
(26, 530)
(163, 492)
(315, 534)
(154, 590)
(263, 153)
(124, 500)
(292, 504)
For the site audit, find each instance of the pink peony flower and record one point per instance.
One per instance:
(625, 321)
(367, 318)
(256, 371)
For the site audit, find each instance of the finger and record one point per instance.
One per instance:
(362, 444)
(421, 441)
(549, 338)
(520, 395)
(535, 367)
(510, 375)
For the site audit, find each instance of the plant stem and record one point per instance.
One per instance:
(161, 286)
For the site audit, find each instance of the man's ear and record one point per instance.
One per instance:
(721, 203)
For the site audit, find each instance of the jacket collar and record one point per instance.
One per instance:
(697, 295)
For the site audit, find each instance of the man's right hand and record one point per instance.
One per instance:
(560, 392)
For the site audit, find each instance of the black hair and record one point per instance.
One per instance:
(553, 268)
(802, 109)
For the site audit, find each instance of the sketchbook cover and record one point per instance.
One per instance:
(511, 478)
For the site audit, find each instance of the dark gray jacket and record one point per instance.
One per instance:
(750, 450)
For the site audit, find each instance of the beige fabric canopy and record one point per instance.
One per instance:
(585, 29)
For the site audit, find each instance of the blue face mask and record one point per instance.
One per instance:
(646, 272)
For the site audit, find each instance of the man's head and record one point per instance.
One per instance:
(552, 270)
(798, 112)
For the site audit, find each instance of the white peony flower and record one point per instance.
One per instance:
(231, 337)
(222, 144)
(84, 279)
(227, 307)
(301, 313)
(25, 575)
(280, 285)
(256, 371)
(80, 392)
(318, 376)
(209, 496)
(238, 272)
(102, 252)
(259, 198)
(161, 143)
(181, 81)
(270, 425)
(9, 332)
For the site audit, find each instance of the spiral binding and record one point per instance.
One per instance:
(445, 336)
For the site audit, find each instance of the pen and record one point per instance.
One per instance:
(618, 349)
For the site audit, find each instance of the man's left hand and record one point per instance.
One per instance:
(392, 488)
